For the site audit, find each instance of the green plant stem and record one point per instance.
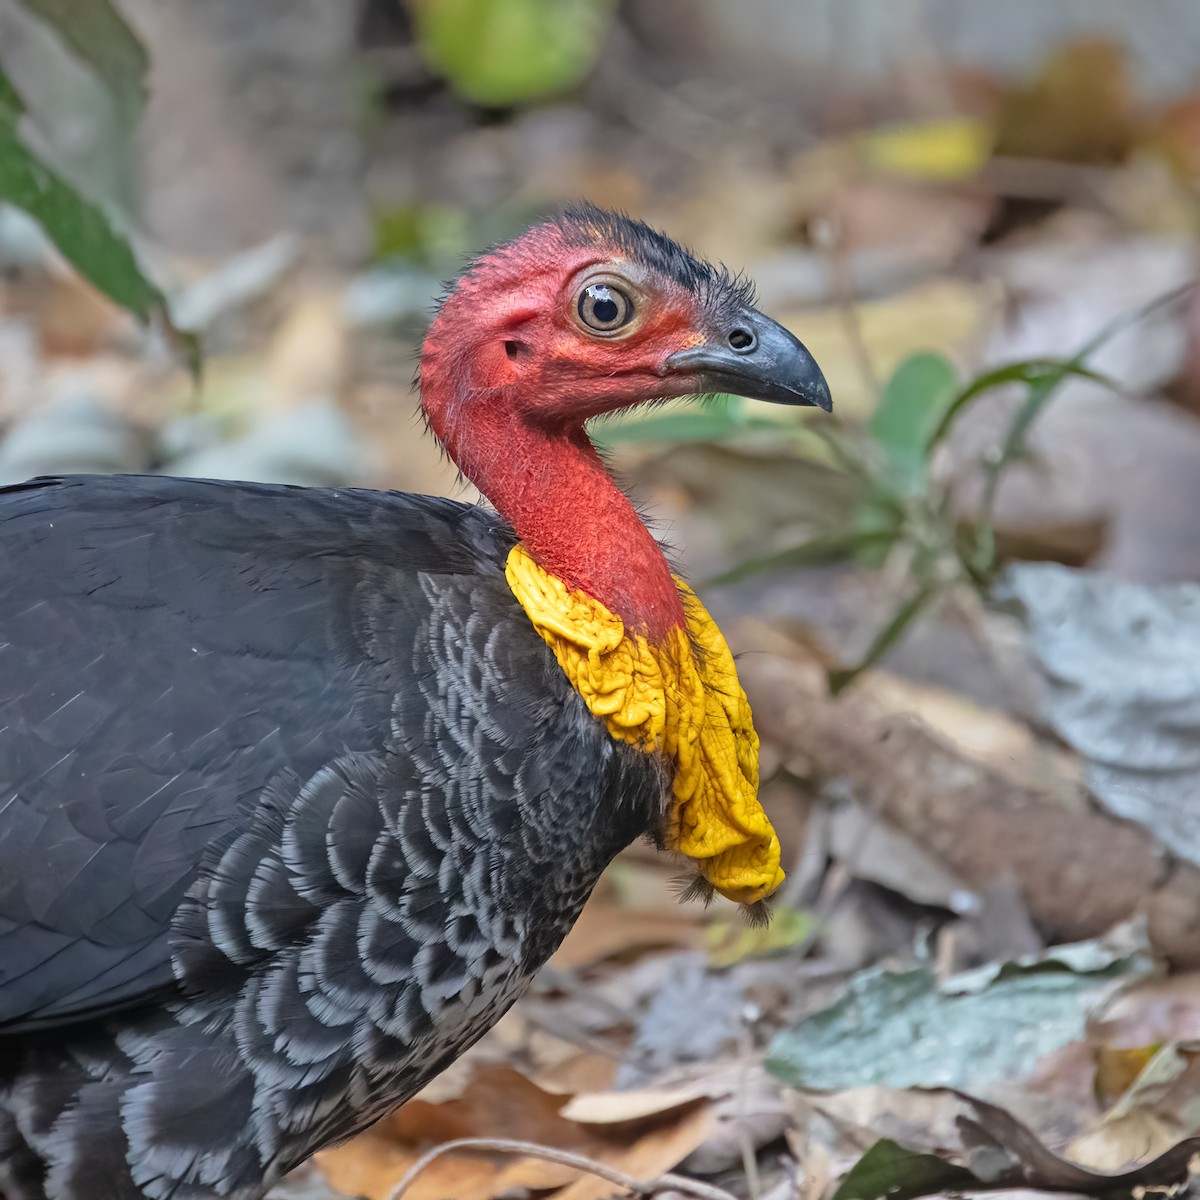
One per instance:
(887, 637)
(983, 555)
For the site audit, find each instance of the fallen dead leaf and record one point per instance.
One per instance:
(1165, 1089)
(1124, 1141)
(655, 1152)
(581, 1073)
(918, 1118)
(1118, 1067)
(997, 1152)
(751, 1109)
(870, 848)
(501, 1103)
(606, 930)
(1162, 1010)
(992, 737)
(618, 1108)
(815, 1171)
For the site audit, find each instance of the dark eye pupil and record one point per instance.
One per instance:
(604, 308)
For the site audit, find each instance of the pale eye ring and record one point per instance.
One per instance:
(604, 307)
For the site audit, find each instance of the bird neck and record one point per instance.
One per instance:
(553, 488)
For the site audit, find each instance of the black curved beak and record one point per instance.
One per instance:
(756, 358)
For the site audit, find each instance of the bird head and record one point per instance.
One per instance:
(582, 315)
(592, 312)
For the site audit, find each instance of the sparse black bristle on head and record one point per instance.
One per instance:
(584, 224)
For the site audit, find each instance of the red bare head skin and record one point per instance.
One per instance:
(574, 319)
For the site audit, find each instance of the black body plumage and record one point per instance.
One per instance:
(293, 802)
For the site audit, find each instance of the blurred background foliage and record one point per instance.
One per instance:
(497, 55)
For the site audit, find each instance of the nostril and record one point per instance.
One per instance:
(742, 340)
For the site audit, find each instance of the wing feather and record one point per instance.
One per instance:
(168, 649)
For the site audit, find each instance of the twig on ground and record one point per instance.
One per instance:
(640, 1187)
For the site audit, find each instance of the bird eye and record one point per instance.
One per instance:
(604, 308)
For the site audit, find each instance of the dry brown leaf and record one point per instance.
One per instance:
(498, 1102)
(1162, 1010)
(989, 736)
(581, 1073)
(1057, 1098)
(815, 1173)
(751, 1109)
(606, 930)
(371, 1166)
(920, 1120)
(501, 1103)
(656, 1151)
(1125, 1140)
(1117, 1068)
(1166, 1089)
(616, 1108)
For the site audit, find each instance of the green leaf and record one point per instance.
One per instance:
(889, 1171)
(1034, 372)
(79, 229)
(11, 106)
(1042, 388)
(501, 52)
(435, 234)
(82, 233)
(920, 390)
(1000, 1154)
(879, 523)
(981, 560)
(96, 33)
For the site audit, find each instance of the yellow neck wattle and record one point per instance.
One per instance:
(679, 698)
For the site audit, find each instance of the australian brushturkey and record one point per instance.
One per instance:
(298, 788)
